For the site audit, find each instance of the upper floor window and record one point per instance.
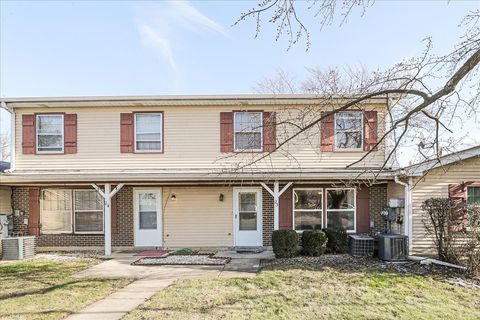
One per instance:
(49, 133)
(148, 132)
(349, 131)
(248, 131)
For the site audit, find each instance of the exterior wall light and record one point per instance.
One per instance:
(220, 198)
(173, 197)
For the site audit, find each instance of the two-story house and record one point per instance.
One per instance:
(191, 171)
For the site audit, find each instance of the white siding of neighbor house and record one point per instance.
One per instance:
(435, 184)
(197, 218)
(191, 141)
(5, 200)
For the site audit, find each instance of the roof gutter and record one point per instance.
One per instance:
(408, 219)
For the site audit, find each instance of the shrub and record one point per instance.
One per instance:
(314, 242)
(337, 240)
(285, 243)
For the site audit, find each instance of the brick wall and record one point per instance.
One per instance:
(267, 206)
(378, 202)
(20, 202)
(123, 238)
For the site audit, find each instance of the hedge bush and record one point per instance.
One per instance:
(337, 240)
(285, 243)
(314, 242)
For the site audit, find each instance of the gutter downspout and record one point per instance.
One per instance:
(3, 105)
(408, 222)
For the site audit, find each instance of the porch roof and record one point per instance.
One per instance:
(184, 176)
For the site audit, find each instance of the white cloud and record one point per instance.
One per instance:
(162, 26)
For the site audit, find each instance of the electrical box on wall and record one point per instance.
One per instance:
(396, 203)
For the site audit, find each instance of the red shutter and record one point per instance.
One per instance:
(70, 127)
(269, 131)
(286, 210)
(327, 133)
(114, 215)
(126, 132)
(28, 134)
(226, 131)
(370, 130)
(363, 210)
(34, 212)
(457, 192)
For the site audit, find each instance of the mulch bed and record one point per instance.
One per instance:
(184, 259)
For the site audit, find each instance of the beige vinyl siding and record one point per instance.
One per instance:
(435, 184)
(395, 190)
(191, 141)
(197, 218)
(5, 200)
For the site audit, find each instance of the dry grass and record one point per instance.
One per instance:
(45, 289)
(296, 292)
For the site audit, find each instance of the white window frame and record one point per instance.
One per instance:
(235, 132)
(75, 210)
(322, 210)
(135, 132)
(466, 198)
(36, 133)
(361, 130)
(71, 230)
(337, 210)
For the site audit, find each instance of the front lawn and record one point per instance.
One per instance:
(45, 289)
(316, 291)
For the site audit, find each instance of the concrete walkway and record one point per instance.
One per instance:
(151, 279)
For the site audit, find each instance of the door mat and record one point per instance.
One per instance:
(152, 253)
(182, 259)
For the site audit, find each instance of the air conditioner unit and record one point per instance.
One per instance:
(360, 246)
(392, 247)
(18, 248)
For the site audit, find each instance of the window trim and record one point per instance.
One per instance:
(72, 214)
(474, 185)
(337, 210)
(37, 115)
(74, 210)
(235, 132)
(362, 130)
(160, 113)
(307, 210)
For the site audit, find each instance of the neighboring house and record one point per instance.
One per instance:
(178, 166)
(456, 176)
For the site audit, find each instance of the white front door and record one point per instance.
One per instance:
(247, 212)
(148, 217)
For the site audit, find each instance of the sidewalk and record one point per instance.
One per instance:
(151, 279)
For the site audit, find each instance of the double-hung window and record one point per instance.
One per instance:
(349, 130)
(49, 133)
(67, 211)
(307, 209)
(148, 132)
(248, 131)
(341, 210)
(88, 211)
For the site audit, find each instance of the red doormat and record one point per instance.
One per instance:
(152, 253)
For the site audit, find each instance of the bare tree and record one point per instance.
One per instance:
(4, 147)
(424, 94)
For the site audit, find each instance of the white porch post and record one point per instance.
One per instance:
(276, 193)
(107, 195)
(108, 220)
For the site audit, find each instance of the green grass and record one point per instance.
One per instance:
(44, 289)
(304, 293)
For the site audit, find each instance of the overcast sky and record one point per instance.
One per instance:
(129, 48)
